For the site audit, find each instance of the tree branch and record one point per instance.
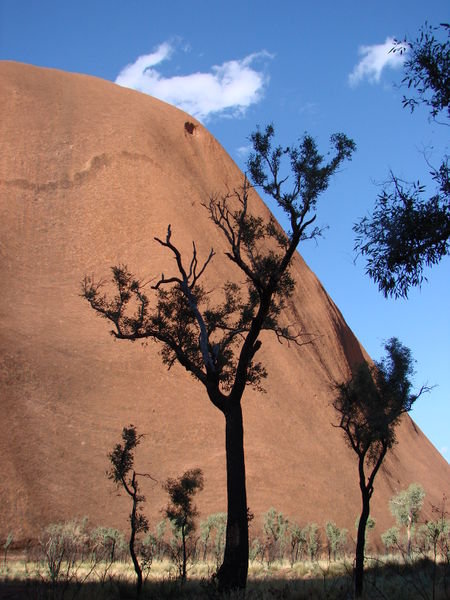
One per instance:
(187, 288)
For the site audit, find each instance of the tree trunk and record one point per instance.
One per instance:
(183, 539)
(233, 572)
(408, 532)
(137, 566)
(360, 544)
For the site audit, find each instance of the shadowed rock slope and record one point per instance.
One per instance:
(89, 173)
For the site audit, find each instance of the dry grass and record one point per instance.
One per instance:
(385, 579)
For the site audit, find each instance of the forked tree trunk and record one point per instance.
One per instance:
(233, 572)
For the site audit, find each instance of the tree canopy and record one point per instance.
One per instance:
(217, 344)
(181, 511)
(427, 69)
(407, 504)
(372, 401)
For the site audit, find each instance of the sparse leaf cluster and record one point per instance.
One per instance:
(427, 68)
(405, 233)
(408, 231)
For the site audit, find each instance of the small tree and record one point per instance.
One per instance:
(275, 528)
(297, 542)
(312, 536)
(406, 507)
(435, 536)
(67, 555)
(155, 541)
(106, 543)
(9, 540)
(391, 538)
(369, 406)
(220, 524)
(123, 474)
(212, 531)
(181, 512)
(218, 345)
(443, 524)
(206, 528)
(336, 539)
(257, 551)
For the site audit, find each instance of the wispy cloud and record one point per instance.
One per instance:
(226, 90)
(374, 59)
(244, 151)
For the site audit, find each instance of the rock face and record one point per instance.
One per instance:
(89, 174)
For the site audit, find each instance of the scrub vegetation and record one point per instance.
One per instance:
(287, 559)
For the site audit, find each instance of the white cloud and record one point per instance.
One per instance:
(444, 450)
(227, 89)
(244, 151)
(374, 59)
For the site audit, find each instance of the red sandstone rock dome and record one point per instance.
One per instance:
(89, 173)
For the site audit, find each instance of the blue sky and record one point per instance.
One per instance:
(316, 67)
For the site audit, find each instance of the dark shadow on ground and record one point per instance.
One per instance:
(382, 581)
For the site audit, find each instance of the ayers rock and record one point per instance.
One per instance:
(89, 173)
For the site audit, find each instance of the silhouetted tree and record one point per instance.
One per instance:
(369, 406)
(408, 231)
(180, 511)
(123, 474)
(218, 345)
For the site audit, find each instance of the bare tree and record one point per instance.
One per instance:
(217, 346)
(369, 406)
